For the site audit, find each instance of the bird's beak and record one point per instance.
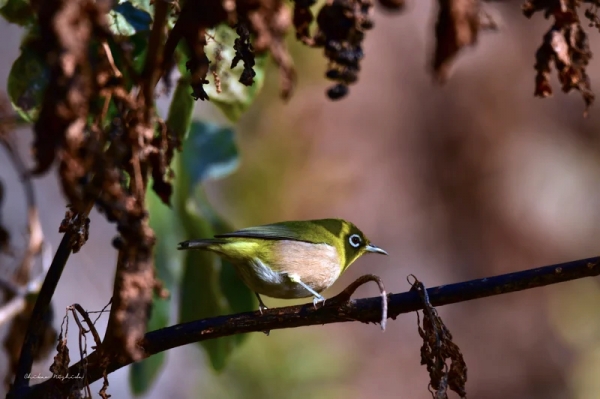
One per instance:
(375, 249)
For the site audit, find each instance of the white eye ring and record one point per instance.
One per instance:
(354, 240)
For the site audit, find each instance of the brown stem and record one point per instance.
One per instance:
(366, 310)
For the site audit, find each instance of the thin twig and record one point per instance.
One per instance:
(34, 330)
(19, 301)
(366, 310)
(82, 343)
(76, 308)
(101, 312)
(89, 322)
(345, 295)
(42, 304)
(110, 59)
(151, 72)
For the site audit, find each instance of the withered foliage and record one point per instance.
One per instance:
(438, 348)
(565, 45)
(60, 366)
(98, 123)
(78, 226)
(341, 27)
(267, 20)
(69, 385)
(107, 164)
(458, 25)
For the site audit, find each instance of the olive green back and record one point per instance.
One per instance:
(334, 232)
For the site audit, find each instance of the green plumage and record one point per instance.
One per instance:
(292, 259)
(323, 231)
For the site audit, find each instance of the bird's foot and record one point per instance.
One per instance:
(317, 300)
(261, 308)
(317, 297)
(261, 305)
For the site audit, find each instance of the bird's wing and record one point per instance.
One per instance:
(276, 231)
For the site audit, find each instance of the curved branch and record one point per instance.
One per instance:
(366, 310)
(34, 227)
(42, 304)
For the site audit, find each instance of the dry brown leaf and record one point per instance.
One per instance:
(437, 349)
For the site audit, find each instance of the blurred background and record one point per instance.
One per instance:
(472, 179)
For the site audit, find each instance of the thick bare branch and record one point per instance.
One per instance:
(366, 310)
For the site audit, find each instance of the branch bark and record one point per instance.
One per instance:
(42, 304)
(336, 310)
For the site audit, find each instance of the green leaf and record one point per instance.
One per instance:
(209, 152)
(167, 261)
(149, 8)
(17, 12)
(239, 296)
(181, 109)
(27, 82)
(143, 5)
(201, 296)
(126, 20)
(143, 374)
(182, 53)
(210, 286)
(235, 98)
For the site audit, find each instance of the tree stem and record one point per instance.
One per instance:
(366, 310)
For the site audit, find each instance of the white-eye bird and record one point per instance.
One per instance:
(287, 260)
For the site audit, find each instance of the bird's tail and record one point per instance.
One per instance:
(199, 244)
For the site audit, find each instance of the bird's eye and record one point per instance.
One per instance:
(354, 240)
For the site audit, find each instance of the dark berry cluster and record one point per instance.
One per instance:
(341, 30)
(198, 70)
(343, 67)
(245, 53)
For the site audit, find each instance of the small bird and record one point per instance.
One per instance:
(295, 259)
